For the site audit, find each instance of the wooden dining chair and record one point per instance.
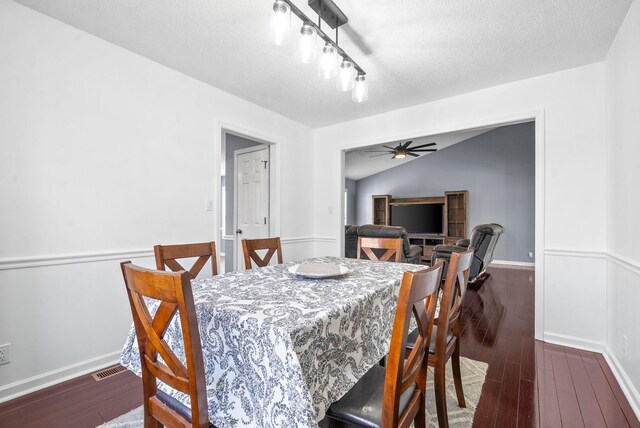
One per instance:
(395, 396)
(167, 255)
(250, 247)
(445, 343)
(369, 245)
(173, 290)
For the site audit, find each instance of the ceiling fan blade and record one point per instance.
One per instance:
(423, 150)
(407, 144)
(381, 154)
(423, 145)
(412, 154)
(388, 147)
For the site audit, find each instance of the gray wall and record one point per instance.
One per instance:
(350, 186)
(497, 168)
(233, 143)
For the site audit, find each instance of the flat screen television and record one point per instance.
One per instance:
(418, 218)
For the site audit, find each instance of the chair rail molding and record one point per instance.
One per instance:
(99, 256)
(67, 259)
(598, 253)
(624, 262)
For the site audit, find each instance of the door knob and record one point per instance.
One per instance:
(238, 231)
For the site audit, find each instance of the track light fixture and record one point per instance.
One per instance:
(360, 91)
(280, 20)
(307, 44)
(333, 61)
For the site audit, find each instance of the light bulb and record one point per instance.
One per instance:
(307, 48)
(346, 76)
(280, 20)
(328, 62)
(360, 91)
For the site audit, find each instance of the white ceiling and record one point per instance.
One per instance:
(359, 163)
(413, 51)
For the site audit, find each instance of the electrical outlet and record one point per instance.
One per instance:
(625, 349)
(5, 353)
(530, 255)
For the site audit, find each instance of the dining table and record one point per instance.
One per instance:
(278, 347)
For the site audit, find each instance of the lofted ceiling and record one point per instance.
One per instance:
(413, 51)
(361, 163)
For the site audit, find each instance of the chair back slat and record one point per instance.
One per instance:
(167, 256)
(250, 248)
(393, 247)
(418, 298)
(173, 290)
(453, 292)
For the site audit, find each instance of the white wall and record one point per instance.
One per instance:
(622, 68)
(572, 182)
(103, 154)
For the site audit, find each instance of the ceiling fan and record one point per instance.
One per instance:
(402, 150)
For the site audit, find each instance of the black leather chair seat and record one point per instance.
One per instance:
(176, 405)
(484, 239)
(362, 405)
(413, 336)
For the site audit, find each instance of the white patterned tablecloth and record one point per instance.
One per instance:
(278, 348)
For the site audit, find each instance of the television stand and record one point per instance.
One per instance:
(427, 242)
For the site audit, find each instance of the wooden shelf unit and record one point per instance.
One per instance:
(381, 212)
(456, 215)
(427, 242)
(455, 219)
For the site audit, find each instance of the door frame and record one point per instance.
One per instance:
(236, 245)
(222, 128)
(536, 116)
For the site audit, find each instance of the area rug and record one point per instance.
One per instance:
(473, 375)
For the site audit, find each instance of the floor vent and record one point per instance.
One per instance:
(108, 372)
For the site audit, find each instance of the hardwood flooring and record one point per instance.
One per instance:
(529, 383)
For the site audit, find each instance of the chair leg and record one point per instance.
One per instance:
(457, 377)
(441, 394)
(420, 421)
(150, 422)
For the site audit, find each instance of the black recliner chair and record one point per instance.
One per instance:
(483, 239)
(411, 253)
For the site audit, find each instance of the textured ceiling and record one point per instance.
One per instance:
(360, 163)
(414, 51)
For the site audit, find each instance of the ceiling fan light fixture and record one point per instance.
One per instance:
(280, 20)
(307, 44)
(360, 92)
(400, 154)
(346, 76)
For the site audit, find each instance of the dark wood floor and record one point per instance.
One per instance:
(529, 383)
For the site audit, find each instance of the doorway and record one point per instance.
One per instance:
(251, 196)
(241, 157)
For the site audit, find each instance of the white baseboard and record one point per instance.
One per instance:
(574, 342)
(512, 265)
(44, 380)
(625, 383)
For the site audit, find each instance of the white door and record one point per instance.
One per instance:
(252, 197)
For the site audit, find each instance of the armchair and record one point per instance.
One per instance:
(411, 253)
(483, 239)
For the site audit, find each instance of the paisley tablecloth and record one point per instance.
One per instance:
(278, 348)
